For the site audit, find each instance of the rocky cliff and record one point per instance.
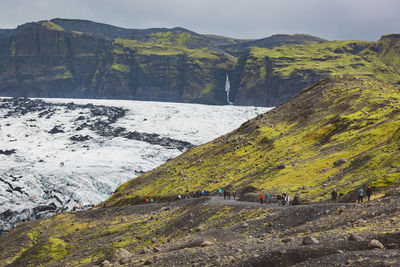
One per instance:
(44, 60)
(84, 59)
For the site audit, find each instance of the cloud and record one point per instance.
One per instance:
(340, 19)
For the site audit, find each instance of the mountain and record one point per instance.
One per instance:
(342, 132)
(84, 59)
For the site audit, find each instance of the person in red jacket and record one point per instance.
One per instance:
(261, 198)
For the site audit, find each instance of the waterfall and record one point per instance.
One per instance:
(227, 89)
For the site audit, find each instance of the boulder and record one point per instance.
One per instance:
(339, 162)
(309, 240)
(206, 244)
(148, 262)
(145, 250)
(281, 166)
(121, 253)
(375, 244)
(287, 239)
(123, 260)
(356, 237)
(105, 264)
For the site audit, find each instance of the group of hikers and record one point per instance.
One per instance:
(281, 199)
(227, 194)
(360, 194)
(149, 200)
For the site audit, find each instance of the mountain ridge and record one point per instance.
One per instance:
(42, 59)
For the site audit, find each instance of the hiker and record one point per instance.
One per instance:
(220, 191)
(261, 198)
(334, 195)
(224, 194)
(147, 200)
(369, 192)
(234, 195)
(360, 194)
(296, 200)
(279, 198)
(151, 200)
(229, 194)
(267, 197)
(74, 208)
(179, 197)
(283, 199)
(104, 205)
(287, 199)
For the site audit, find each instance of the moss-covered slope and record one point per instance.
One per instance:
(293, 148)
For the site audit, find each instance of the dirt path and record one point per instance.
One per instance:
(231, 202)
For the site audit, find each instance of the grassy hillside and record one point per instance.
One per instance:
(356, 119)
(270, 42)
(332, 58)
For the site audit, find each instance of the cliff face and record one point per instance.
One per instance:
(273, 76)
(50, 63)
(83, 59)
(44, 62)
(388, 50)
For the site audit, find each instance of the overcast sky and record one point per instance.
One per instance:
(330, 19)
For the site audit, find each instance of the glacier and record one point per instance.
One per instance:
(58, 153)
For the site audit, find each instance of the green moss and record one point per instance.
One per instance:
(50, 251)
(56, 249)
(207, 89)
(33, 235)
(385, 181)
(13, 49)
(183, 38)
(52, 26)
(121, 67)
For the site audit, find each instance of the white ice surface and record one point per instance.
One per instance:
(90, 174)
